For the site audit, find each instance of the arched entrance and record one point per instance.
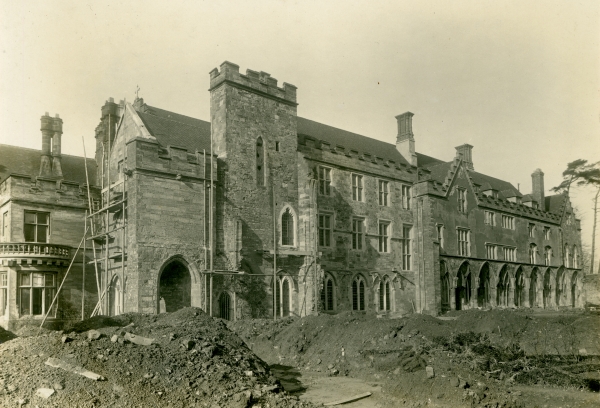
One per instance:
(560, 291)
(483, 291)
(503, 288)
(519, 288)
(533, 287)
(114, 297)
(445, 287)
(463, 287)
(547, 288)
(175, 286)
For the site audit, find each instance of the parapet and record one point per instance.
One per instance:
(260, 82)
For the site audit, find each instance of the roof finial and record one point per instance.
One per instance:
(137, 92)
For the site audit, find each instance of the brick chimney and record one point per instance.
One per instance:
(405, 141)
(465, 152)
(47, 132)
(537, 187)
(56, 142)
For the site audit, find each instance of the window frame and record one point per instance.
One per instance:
(407, 247)
(489, 218)
(3, 293)
(324, 182)
(508, 220)
(440, 234)
(493, 248)
(359, 302)
(461, 194)
(291, 232)
(358, 237)
(383, 241)
(533, 254)
(36, 225)
(509, 253)
(531, 229)
(406, 194)
(5, 224)
(327, 231)
(383, 194)
(358, 187)
(548, 255)
(547, 233)
(385, 295)
(327, 298)
(31, 286)
(464, 246)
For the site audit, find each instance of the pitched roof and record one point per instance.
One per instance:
(350, 141)
(173, 129)
(22, 160)
(555, 203)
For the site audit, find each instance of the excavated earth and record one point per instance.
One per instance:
(193, 361)
(496, 358)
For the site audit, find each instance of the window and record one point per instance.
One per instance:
(508, 222)
(464, 246)
(327, 294)
(489, 218)
(384, 229)
(36, 292)
(510, 254)
(491, 251)
(36, 226)
(462, 200)
(260, 162)
(357, 187)
(547, 256)
(547, 233)
(5, 226)
(440, 235)
(531, 230)
(276, 146)
(384, 295)
(225, 306)
(324, 181)
(3, 292)
(406, 197)
(287, 228)
(575, 257)
(357, 233)
(532, 253)
(406, 247)
(358, 293)
(325, 230)
(282, 297)
(384, 190)
(567, 256)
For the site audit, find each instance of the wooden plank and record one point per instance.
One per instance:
(56, 363)
(349, 399)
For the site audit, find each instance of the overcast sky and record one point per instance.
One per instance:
(518, 80)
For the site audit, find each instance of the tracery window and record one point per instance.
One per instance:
(287, 228)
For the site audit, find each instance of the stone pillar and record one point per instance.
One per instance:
(453, 283)
(511, 293)
(525, 295)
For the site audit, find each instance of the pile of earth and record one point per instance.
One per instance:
(193, 361)
(473, 357)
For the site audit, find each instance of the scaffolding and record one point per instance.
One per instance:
(107, 226)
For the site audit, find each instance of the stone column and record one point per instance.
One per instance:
(453, 282)
(525, 295)
(511, 293)
(56, 142)
(47, 132)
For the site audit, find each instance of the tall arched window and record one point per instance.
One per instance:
(287, 228)
(327, 294)
(532, 253)
(567, 256)
(547, 256)
(283, 297)
(260, 162)
(358, 293)
(575, 257)
(225, 306)
(384, 295)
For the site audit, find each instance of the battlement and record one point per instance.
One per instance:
(260, 82)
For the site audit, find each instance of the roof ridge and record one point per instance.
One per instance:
(173, 119)
(39, 150)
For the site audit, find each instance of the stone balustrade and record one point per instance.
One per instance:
(34, 250)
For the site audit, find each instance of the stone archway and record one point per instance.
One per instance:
(503, 288)
(463, 287)
(483, 290)
(519, 297)
(560, 289)
(547, 288)
(174, 287)
(533, 287)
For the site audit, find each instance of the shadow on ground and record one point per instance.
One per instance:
(289, 377)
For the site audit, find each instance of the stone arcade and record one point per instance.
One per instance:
(352, 223)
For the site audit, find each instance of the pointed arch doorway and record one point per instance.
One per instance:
(174, 287)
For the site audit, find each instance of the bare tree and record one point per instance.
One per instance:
(580, 173)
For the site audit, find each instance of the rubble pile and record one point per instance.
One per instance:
(178, 359)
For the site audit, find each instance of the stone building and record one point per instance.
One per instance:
(294, 217)
(43, 199)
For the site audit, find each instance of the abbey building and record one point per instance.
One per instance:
(287, 216)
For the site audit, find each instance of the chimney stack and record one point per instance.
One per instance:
(47, 132)
(537, 188)
(56, 143)
(465, 152)
(405, 141)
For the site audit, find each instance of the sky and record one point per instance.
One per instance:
(518, 80)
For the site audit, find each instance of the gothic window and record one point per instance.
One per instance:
(384, 295)
(327, 294)
(547, 256)
(440, 235)
(357, 233)
(260, 162)
(567, 256)
(406, 204)
(532, 253)
(575, 257)
(358, 293)
(225, 309)
(406, 247)
(464, 242)
(287, 228)
(462, 200)
(283, 297)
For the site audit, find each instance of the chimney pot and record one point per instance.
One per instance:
(465, 152)
(537, 188)
(405, 140)
(57, 116)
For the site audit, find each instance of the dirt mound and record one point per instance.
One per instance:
(193, 360)
(474, 357)
(6, 335)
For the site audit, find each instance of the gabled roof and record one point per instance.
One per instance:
(555, 203)
(22, 160)
(173, 129)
